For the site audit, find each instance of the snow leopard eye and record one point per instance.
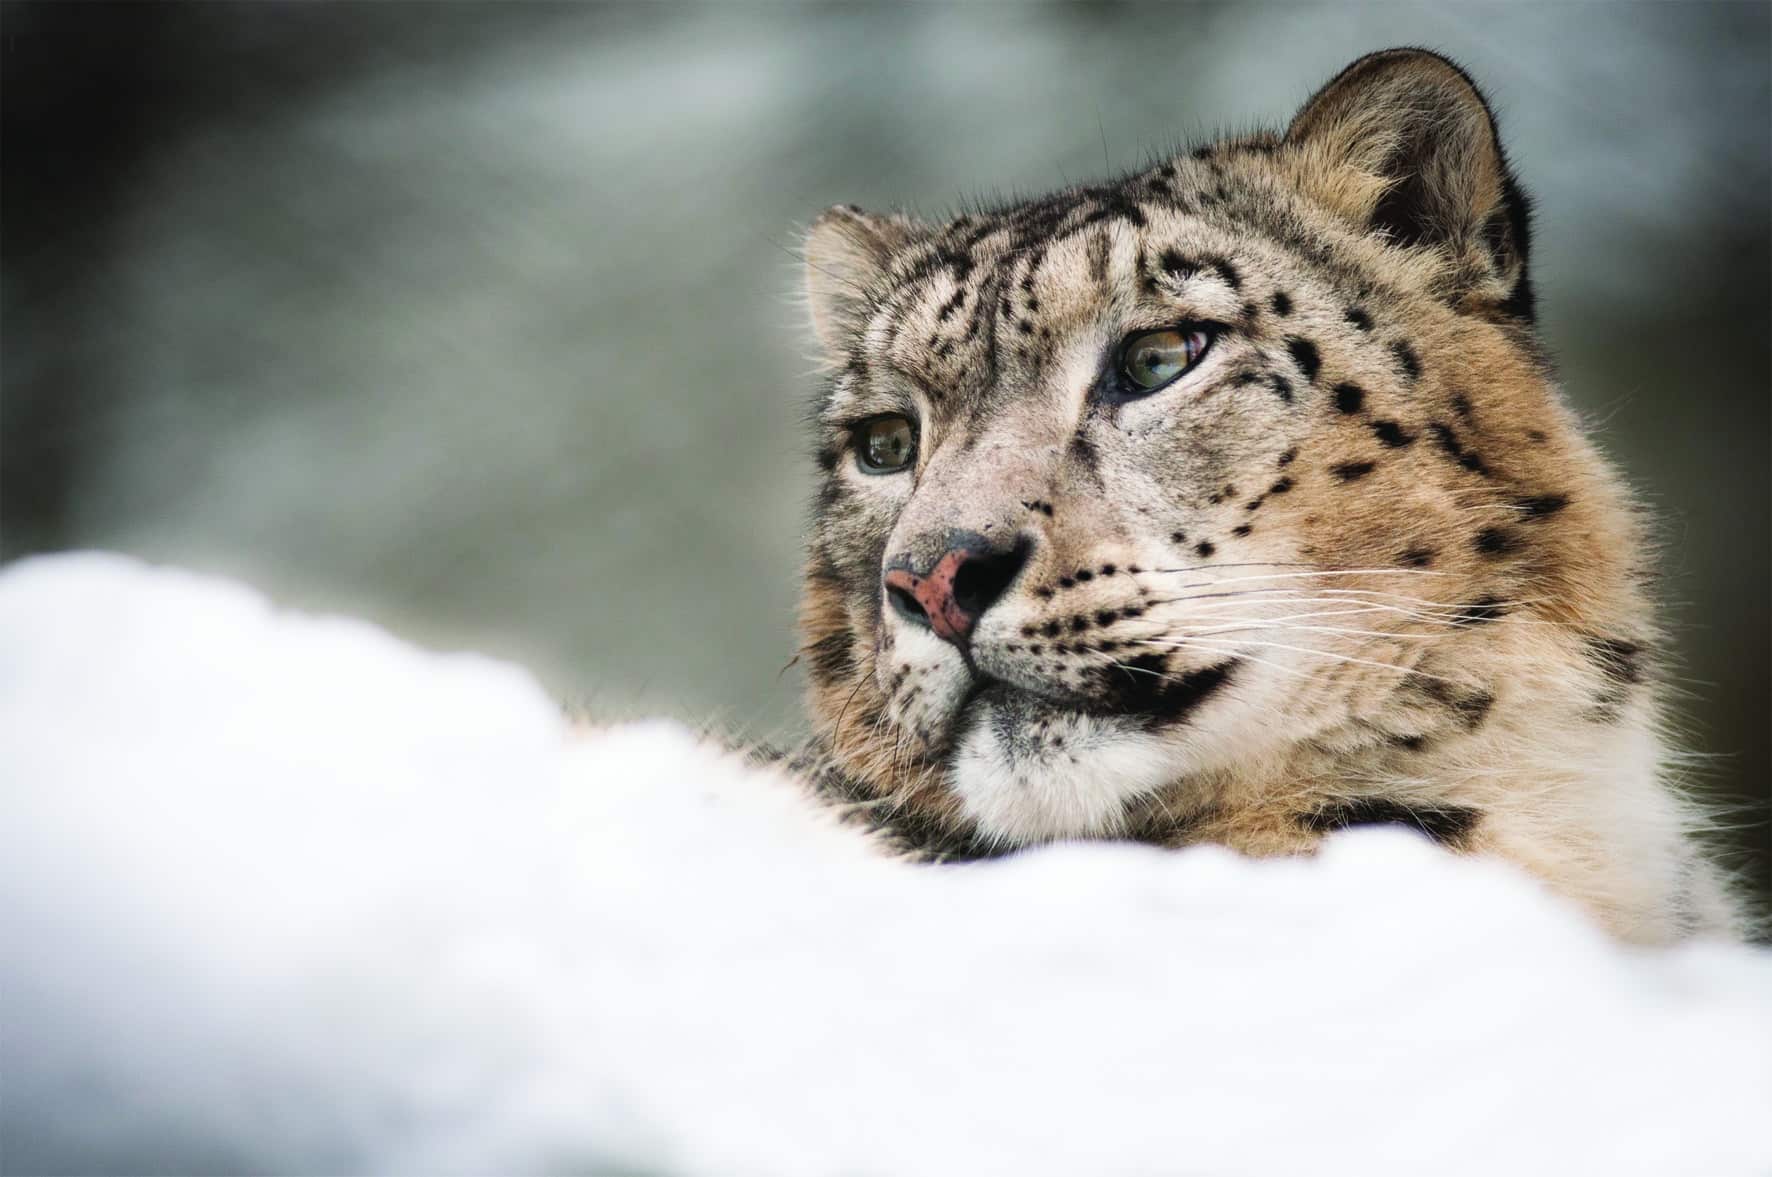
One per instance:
(1151, 359)
(885, 445)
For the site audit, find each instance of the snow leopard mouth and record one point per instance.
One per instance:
(1141, 691)
(1028, 766)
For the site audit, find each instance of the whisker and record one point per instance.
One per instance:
(1292, 670)
(1246, 624)
(1363, 608)
(1446, 617)
(861, 680)
(1347, 658)
(1457, 610)
(1324, 571)
(1329, 569)
(1350, 606)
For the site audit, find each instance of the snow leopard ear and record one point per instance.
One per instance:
(847, 253)
(1404, 142)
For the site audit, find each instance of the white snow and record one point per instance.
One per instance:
(282, 893)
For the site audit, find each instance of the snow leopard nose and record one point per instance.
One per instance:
(956, 591)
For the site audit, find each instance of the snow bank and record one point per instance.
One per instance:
(282, 893)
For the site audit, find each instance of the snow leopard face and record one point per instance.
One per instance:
(1251, 454)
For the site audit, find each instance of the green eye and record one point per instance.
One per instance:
(1151, 359)
(885, 445)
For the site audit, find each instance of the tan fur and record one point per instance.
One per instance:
(1494, 662)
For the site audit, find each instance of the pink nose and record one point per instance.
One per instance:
(954, 594)
(933, 597)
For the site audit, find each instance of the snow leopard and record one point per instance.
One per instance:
(1235, 501)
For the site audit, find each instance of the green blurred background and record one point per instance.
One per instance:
(480, 320)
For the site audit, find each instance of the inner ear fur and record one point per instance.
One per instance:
(1403, 142)
(847, 254)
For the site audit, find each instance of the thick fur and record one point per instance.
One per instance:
(1358, 565)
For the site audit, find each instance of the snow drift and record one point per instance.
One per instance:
(281, 893)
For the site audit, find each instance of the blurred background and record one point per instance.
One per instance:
(479, 320)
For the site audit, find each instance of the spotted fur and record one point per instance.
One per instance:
(1359, 564)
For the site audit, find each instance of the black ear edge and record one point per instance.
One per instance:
(1510, 231)
(1406, 215)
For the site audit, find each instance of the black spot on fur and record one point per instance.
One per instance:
(1287, 458)
(1449, 825)
(1353, 471)
(1417, 558)
(1481, 612)
(1618, 659)
(1621, 666)
(1469, 706)
(1241, 529)
(1280, 487)
(1226, 271)
(1304, 354)
(1448, 441)
(1495, 541)
(1177, 266)
(1539, 506)
(1282, 388)
(1391, 434)
(1406, 359)
(1472, 707)
(1204, 548)
(1349, 398)
(1281, 302)
(1359, 318)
